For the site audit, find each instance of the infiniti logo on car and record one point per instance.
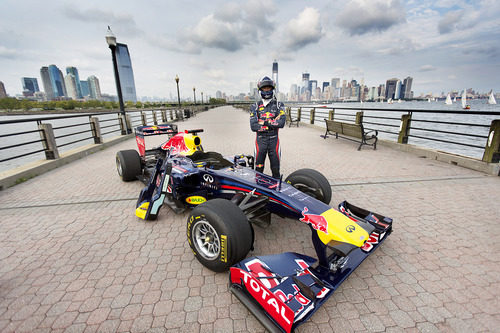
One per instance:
(208, 178)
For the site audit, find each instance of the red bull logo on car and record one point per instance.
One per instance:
(317, 222)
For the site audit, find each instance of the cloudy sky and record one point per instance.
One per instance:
(224, 45)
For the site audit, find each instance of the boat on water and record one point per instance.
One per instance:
(465, 106)
(448, 100)
(455, 99)
(492, 99)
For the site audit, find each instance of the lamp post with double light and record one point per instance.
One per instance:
(111, 40)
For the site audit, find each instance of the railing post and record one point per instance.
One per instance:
(359, 117)
(171, 114)
(311, 116)
(299, 113)
(143, 118)
(404, 128)
(163, 116)
(155, 120)
(331, 114)
(123, 127)
(49, 141)
(96, 129)
(492, 148)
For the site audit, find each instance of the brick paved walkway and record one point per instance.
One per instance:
(74, 258)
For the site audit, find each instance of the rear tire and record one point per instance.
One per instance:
(311, 182)
(128, 164)
(219, 234)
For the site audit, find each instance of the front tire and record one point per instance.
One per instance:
(312, 183)
(219, 234)
(128, 164)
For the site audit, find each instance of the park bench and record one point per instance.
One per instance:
(291, 120)
(352, 132)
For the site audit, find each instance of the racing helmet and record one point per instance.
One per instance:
(266, 82)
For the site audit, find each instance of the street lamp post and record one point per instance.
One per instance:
(178, 95)
(194, 95)
(111, 40)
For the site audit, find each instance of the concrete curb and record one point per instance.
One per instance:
(20, 174)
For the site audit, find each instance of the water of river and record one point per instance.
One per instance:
(465, 118)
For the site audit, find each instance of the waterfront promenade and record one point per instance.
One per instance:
(75, 258)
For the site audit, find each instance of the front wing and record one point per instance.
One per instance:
(284, 290)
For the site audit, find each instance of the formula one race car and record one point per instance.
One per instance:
(229, 197)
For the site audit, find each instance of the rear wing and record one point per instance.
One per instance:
(143, 131)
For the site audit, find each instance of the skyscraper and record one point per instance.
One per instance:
(74, 71)
(390, 88)
(407, 88)
(126, 73)
(47, 85)
(94, 87)
(85, 88)
(30, 86)
(397, 92)
(275, 74)
(305, 83)
(3, 93)
(57, 81)
(70, 81)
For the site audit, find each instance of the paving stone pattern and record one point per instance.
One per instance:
(75, 258)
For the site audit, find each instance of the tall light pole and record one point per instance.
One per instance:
(194, 95)
(111, 40)
(178, 95)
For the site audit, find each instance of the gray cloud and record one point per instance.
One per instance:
(426, 68)
(303, 30)
(363, 16)
(488, 51)
(125, 22)
(6, 53)
(449, 21)
(231, 28)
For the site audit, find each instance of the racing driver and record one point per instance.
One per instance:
(267, 116)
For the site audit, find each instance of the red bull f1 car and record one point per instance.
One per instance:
(228, 197)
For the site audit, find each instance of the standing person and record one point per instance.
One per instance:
(267, 116)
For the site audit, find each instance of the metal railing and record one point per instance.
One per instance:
(23, 137)
(474, 130)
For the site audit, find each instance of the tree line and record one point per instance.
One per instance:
(10, 103)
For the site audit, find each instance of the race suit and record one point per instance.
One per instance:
(272, 118)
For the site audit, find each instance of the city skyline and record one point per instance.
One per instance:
(223, 45)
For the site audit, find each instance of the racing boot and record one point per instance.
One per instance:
(276, 172)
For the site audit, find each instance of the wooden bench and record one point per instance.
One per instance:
(291, 120)
(349, 131)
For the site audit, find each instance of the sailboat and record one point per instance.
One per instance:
(454, 99)
(465, 106)
(448, 100)
(428, 100)
(492, 99)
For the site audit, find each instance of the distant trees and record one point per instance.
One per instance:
(10, 103)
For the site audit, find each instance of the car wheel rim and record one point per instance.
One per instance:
(206, 240)
(119, 166)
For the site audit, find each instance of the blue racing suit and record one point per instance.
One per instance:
(266, 120)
